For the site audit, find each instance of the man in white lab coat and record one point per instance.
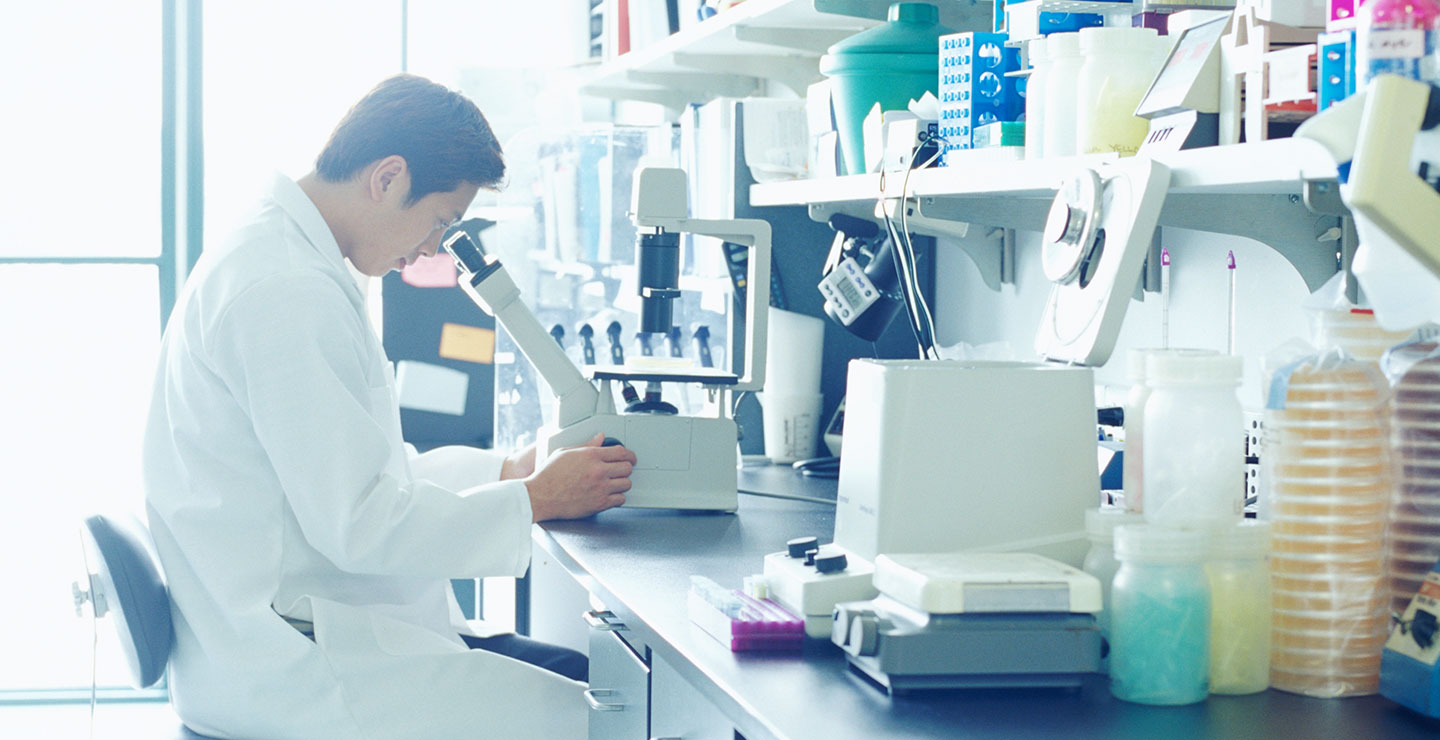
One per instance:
(308, 551)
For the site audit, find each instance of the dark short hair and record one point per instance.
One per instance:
(442, 135)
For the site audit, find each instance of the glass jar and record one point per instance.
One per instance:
(1119, 65)
(1400, 37)
(1063, 49)
(1160, 625)
(1040, 64)
(1100, 560)
(1194, 464)
(1239, 572)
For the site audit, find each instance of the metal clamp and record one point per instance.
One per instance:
(603, 621)
(600, 706)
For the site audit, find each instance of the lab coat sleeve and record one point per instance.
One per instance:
(457, 466)
(295, 353)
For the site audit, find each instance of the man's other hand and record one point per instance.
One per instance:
(579, 481)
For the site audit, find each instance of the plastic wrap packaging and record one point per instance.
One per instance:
(1325, 453)
(1413, 545)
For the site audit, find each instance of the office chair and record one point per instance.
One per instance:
(128, 586)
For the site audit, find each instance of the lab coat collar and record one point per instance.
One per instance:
(298, 206)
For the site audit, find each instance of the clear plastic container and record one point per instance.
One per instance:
(1160, 625)
(1040, 63)
(1240, 608)
(1413, 540)
(1120, 63)
(1194, 462)
(1133, 471)
(1060, 104)
(1100, 560)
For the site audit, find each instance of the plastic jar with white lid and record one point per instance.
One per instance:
(1160, 625)
(1194, 462)
(1100, 559)
(1132, 465)
(1240, 607)
(1119, 65)
(1040, 63)
(1063, 50)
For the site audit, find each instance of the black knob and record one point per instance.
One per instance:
(832, 562)
(810, 557)
(798, 546)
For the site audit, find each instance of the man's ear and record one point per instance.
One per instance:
(387, 178)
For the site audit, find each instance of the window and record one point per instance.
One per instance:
(79, 308)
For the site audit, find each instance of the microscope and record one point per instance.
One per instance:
(684, 462)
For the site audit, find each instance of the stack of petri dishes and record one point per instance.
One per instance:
(1357, 331)
(1414, 538)
(1326, 458)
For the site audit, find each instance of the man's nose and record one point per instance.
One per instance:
(432, 245)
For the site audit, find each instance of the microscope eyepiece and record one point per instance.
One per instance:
(466, 252)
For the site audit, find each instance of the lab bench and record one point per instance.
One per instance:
(654, 674)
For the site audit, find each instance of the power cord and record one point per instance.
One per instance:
(922, 322)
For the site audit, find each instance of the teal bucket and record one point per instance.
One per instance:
(889, 65)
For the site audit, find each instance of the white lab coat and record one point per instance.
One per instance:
(278, 486)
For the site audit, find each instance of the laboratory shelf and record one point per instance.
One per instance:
(1282, 193)
(733, 53)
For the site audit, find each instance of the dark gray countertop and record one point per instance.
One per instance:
(639, 563)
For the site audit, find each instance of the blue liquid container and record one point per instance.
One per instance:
(1160, 618)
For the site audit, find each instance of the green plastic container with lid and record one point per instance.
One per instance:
(889, 65)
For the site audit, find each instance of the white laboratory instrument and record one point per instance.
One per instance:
(1386, 145)
(684, 462)
(810, 580)
(973, 620)
(1095, 242)
(945, 455)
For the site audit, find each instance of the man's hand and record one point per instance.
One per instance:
(579, 481)
(520, 464)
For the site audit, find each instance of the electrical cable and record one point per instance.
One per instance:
(928, 317)
(900, 273)
(94, 633)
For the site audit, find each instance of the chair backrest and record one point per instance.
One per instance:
(129, 579)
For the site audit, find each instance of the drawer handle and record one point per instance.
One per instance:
(603, 621)
(600, 706)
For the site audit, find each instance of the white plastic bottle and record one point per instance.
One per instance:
(1100, 559)
(1040, 64)
(1132, 466)
(1119, 65)
(1194, 465)
(1064, 53)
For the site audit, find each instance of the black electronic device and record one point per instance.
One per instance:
(860, 283)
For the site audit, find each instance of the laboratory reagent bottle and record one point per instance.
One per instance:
(1240, 605)
(1194, 462)
(1160, 625)
(1100, 560)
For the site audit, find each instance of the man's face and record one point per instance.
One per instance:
(400, 234)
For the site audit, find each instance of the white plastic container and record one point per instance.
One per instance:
(1133, 471)
(1119, 65)
(1040, 64)
(1100, 561)
(1194, 463)
(1240, 608)
(1063, 49)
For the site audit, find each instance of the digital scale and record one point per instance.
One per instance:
(973, 620)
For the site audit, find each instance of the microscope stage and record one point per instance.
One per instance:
(661, 374)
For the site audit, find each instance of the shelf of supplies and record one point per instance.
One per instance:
(1282, 193)
(730, 54)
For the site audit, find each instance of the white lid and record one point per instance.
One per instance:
(1245, 539)
(1193, 368)
(1100, 523)
(1038, 50)
(1063, 44)
(986, 582)
(1117, 39)
(1150, 543)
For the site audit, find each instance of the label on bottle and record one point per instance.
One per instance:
(1400, 44)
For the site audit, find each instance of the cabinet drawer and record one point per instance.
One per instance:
(619, 693)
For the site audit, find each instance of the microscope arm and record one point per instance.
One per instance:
(1371, 136)
(490, 286)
